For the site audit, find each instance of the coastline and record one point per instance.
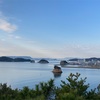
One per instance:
(79, 66)
(83, 67)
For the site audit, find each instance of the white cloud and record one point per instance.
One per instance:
(7, 26)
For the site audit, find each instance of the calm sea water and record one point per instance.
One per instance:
(23, 74)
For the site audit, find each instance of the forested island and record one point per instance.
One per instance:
(9, 59)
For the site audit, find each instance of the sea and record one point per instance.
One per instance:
(20, 74)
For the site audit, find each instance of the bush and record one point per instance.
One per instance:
(73, 89)
(76, 89)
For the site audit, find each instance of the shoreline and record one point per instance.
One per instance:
(79, 66)
(83, 67)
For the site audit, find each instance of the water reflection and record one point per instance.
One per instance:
(57, 75)
(63, 65)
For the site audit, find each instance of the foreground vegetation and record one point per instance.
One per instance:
(73, 89)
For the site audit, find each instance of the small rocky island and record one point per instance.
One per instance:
(57, 69)
(43, 61)
(63, 62)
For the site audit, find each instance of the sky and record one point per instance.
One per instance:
(50, 28)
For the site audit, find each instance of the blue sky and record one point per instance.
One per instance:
(50, 28)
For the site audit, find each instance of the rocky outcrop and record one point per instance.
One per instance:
(43, 61)
(57, 69)
(62, 63)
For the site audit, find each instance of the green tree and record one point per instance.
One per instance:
(75, 89)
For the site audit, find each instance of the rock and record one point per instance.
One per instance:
(57, 69)
(43, 61)
(62, 63)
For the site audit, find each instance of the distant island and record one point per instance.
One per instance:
(92, 62)
(43, 61)
(86, 59)
(10, 59)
